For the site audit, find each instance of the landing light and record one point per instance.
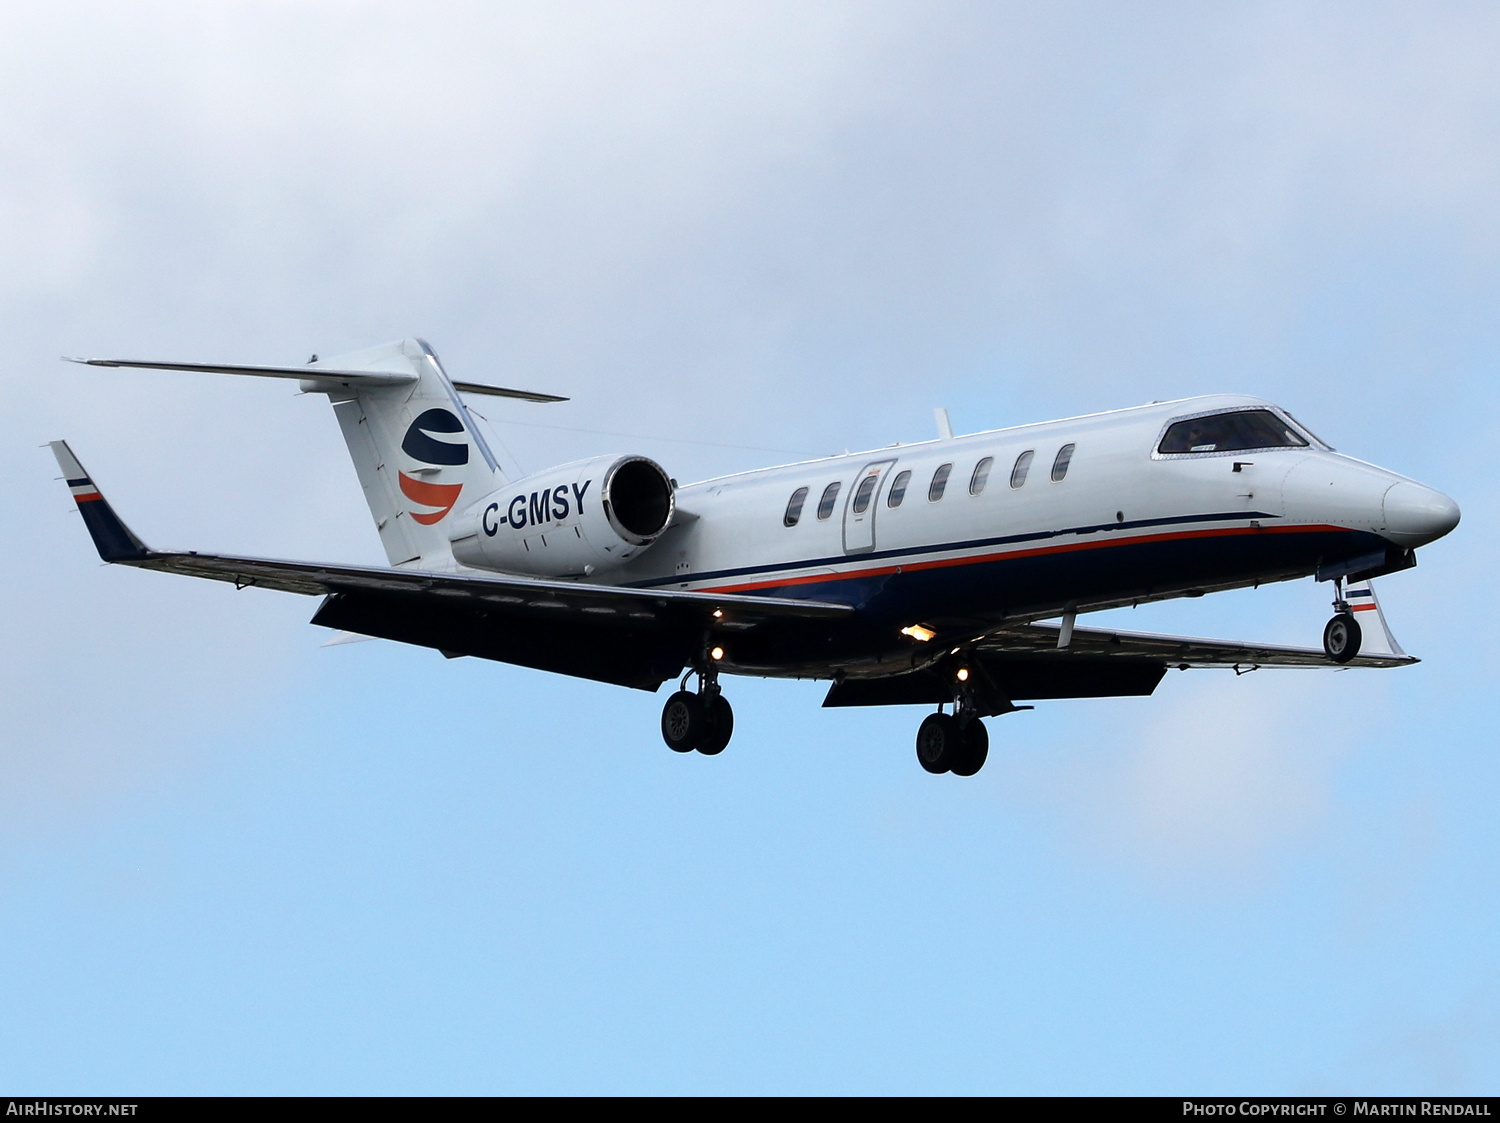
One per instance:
(718, 614)
(716, 654)
(919, 633)
(963, 674)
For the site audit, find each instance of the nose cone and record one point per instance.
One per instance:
(1416, 515)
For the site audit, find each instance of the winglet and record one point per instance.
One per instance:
(1378, 638)
(112, 537)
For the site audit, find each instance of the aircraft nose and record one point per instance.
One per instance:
(1416, 515)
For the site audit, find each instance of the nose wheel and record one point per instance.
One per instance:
(1341, 635)
(703, 721)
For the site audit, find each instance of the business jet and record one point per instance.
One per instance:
(948, 573)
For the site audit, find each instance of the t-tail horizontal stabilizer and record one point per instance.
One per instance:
(319, 378)
(112, 537)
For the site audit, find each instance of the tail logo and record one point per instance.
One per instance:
(427, 449)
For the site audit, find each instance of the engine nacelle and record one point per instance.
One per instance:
(568, 521)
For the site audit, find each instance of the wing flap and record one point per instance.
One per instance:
(636, 653)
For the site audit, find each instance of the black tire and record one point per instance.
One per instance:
(1342, 637)
(720, 727)
(939, 742)
(684, 720)
(975, 751)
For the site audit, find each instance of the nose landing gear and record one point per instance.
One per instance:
(702, 721)
(1341, 635)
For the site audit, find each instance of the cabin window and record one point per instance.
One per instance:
(939, 483)
(1060, 465)
(1231, 432)
(863, 493)
(1023, 465)
(830, 496)
(794, 507)
(981, 475)
(897, 493)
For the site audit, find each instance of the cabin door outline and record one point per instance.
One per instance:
(859, 526)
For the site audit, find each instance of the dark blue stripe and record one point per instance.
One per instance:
(80, 482)
(111, 537)
(970, 544)
(1045, 583)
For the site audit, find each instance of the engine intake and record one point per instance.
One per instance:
(638, 499)
(569, 521)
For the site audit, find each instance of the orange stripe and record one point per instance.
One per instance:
(442, 496)
(1363, 607)
(88, 497)
(429, 495)
(975, 559)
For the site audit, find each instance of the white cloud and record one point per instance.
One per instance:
(1207, 789)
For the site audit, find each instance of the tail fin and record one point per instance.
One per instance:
(1376, 633)
(415, 447)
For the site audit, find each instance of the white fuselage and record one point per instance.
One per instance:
(1115, 490)
(1009, 525)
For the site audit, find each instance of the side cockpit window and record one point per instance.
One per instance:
(1230, 432)
(794, 507)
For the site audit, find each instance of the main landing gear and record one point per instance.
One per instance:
(701, 721)
(956, 743)
(1341, 635)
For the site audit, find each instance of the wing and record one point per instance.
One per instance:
(1040, 641)
(314, 578)
(627, 636)
(1023, 661)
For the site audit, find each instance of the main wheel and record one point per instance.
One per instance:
(1341, 638)
(975, 750)
(720, 727)
(684, 721)
(939, 742)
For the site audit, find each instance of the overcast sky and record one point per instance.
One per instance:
(733, 234)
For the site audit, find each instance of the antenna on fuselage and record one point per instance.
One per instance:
(945, 427)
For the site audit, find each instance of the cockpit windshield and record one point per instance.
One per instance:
(1231, 432)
